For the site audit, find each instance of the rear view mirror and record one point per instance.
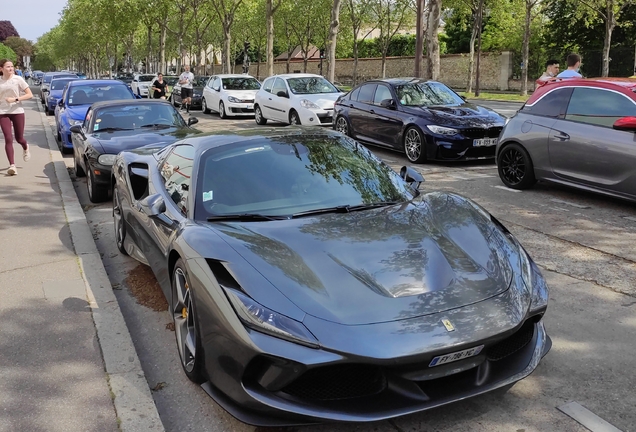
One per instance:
(76, 129)
(153, 205)
(388, 103)
(412, 177)
(626, 124)
(282, 94)
(192, 120)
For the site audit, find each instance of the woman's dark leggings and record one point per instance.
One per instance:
(18, 127)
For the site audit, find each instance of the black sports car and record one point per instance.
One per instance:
(112, 126)
(309, 282)
(424, 119)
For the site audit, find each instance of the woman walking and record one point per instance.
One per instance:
(160, 87)
(13, 90)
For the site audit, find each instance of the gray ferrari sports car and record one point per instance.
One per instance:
(309, 282)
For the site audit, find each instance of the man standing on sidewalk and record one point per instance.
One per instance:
(186, 79)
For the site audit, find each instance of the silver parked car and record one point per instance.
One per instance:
(576, 132)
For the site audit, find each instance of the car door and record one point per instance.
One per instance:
(279, 105)
(208, 92)
(215, 94)
(80, 140)
(585, 148)
(386, 124)
(360, 115)
(264, 97)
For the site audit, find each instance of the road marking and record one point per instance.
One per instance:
(570, 203)
(587, 418)
(507, 189)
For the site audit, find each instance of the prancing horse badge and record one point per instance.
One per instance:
(449, 325)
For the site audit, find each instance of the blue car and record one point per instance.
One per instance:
(56, 90)
(78, 96)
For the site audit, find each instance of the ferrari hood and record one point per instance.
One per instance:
(380, 265)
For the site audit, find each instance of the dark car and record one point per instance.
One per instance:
(197, 92)
(126, 78)
(114, 126)
(308, 281)
(46, 82)
(575, 132)
(424, 119)
(56, 89)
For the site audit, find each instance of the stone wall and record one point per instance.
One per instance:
(495, 70)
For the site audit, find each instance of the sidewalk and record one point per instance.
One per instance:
(67, 362)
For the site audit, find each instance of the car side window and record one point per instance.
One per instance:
(87, 119)
(382, 93)
(279, 85)
(552, 104)
(211, 82)
(177, 173)
(217, 84)
(367, 93)
(267, 85)
(354, 94)
(598, 106)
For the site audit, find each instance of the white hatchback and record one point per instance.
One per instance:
(230, 95)
(305, 99)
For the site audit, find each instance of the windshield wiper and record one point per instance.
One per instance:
(244, 217)
(157, 125)
(345, 208)
(112, 129)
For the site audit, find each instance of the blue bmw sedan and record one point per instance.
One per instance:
(56, 90)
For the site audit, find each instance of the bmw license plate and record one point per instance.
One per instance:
(485, 142)
(459, 355)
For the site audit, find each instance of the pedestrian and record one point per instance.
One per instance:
(160, 87)
(13, 90)
(551, 71)
(186, 79)
(574, 63)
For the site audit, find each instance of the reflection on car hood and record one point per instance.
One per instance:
(241, 94)
(323, 100)
(77, 112)
(472, 115)
(116, 141)
(380, 265)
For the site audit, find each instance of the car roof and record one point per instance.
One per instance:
(232, 76)
(97, 81)
(298, 75)
(609, 83)
(128, 102)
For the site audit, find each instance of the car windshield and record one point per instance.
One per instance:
(200, 81)
(145, 78)
(171, 80)
(427, 94)
(287, 175)
(311, 85)
(90, 93)
(240, 84)
(137, 116)
(58, 84)
(49, 78)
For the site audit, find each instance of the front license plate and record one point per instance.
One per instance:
(249, 106)
(459, 355)
(484, 142)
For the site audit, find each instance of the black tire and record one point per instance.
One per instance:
(258, 116)
(118, 220)
(79, 171)
(222, 113)
(515, 167)
(204, 107)
(342, 125)
(184, 317)
(58, 136)
(294, 119)
(414, 145)
(95, 193)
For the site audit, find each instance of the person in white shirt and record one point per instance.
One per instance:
(574, 63)
(186, 79)
(13, 90)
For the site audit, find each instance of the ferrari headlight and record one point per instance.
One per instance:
(441, 130)
(233, 99)
(258, 317)
(106, 159)
(526, 268)
(308, 104)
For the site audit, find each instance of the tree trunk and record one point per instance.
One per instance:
(610, 23)
(162, 49)
(305, 61)
(269, 17)
(149, 49)
(471, 55)
(432, 42)
(258, 63)
(384, 63)
(355, 61)
(331, 42)
(525, 50)
(419, 38)
(227, 48)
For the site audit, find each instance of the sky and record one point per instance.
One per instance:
(32, 18)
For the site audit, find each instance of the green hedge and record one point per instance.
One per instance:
(7, 53)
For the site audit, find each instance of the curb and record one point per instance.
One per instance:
(132, 400)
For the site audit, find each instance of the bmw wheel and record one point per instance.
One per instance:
(258, 116)
(222, 113)
(342, 125)
(293, 118)
(515, 167)
(414, 145)
(186, 325)
(118, 219)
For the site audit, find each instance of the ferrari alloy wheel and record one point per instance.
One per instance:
(204, 106)
(293, 118)
(414, 145)
(342, 125)
(258, 116)
(185, 325)
(515, 167)
(222, 113)
(118, 219)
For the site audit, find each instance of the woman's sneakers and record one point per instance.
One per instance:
(27, 154)
(12, 171)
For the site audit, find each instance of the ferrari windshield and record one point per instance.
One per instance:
(427, 94)
(311, 85)
(294, 174)
(137, 116)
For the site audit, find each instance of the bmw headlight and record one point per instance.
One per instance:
(233, 99)
(106, 159)
(441, 130)
(308, 104)
(76, 122)
(258, 317)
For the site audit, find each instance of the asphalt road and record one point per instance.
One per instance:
(586, 246)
